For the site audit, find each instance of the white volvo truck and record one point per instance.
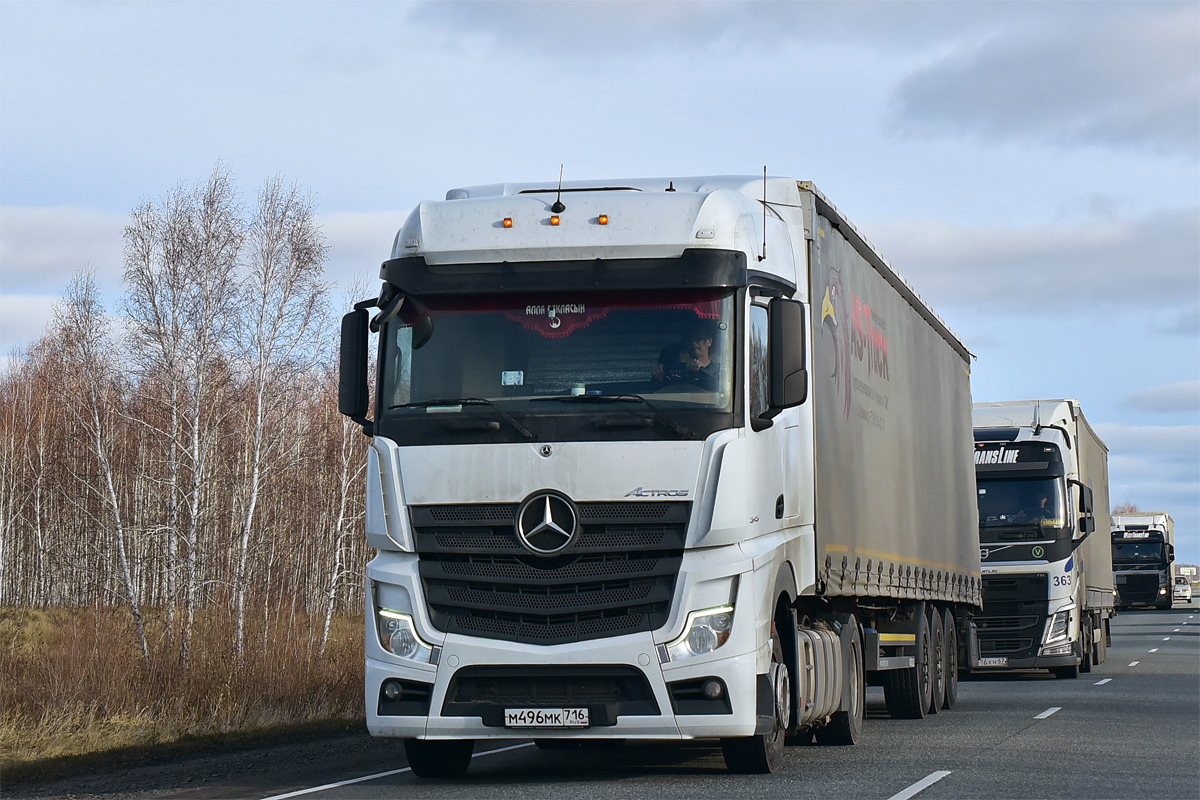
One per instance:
(1143, 549)
(657, 460)
(1042, 478)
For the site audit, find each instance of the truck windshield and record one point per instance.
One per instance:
(675, 348)
(1136, 551)
(1021, 501)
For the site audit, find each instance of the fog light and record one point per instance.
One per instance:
(712, 689)
(392, 690)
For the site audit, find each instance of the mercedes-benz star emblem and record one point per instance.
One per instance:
(547, 523)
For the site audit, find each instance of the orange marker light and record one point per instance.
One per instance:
(602, 219)
(508, 222)
(554, 220)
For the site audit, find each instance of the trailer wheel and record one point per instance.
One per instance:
(1100, 646)
(950, 630)
(435, 758)
(1085, 640)
(937, 661)
(907, 692)
(763, 753)
(845, 727)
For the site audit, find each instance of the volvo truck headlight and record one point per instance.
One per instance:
(398, 635)
(705, 631)
(1058, 627)
(1162, 590)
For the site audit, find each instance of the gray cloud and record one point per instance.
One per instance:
(41, 247)
(1186, 323)
(1140, 265)
(581, 31)
(1112, 74)
(1157, 444)
(1174, 397)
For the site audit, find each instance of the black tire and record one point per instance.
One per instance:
(845, 727)
(907, 691)
(1067, 673)
(937, 661)
(763, 753)
(950, 629)
(1085, 639)
(434, 758)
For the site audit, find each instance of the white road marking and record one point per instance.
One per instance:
(1175, 631)
(1134, 663)
(1153, 649)
(378, 775)
(1048, 712)
(921, 785)
(1101, 683)
(1166, 638)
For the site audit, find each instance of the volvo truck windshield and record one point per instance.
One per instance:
(1037, 501)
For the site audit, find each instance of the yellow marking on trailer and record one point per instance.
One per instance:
(897, 638)
(836, 548)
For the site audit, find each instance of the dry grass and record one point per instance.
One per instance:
(72, 682)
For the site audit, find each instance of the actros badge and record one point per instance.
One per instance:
(547, 522)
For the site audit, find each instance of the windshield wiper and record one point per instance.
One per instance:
(622, 398)
(471, 401)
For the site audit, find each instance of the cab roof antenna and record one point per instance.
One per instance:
(763, 257)
(558, 206)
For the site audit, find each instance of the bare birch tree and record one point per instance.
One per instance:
(90, 380)
(278, 337)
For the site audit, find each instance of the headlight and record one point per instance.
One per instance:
(705, 631)
(1058, 627)
(399, 637)
(1162, 591)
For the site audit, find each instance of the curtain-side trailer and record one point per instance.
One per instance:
(657, 459)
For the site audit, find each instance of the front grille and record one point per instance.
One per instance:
(1014, 614)
(1139, 589)
(606, 691)
(617, 577)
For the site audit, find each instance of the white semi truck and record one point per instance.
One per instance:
(657, 460)
(1143, 549)
(1042, 479)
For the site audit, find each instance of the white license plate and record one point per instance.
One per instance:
(546, 718)
(1001, 661)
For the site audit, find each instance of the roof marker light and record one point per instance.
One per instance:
(508, 222)
(554, 220)
(602, 219)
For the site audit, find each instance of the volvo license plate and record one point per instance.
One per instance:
(546, 718)
(1001, 661)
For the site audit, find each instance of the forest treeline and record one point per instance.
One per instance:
(183, 454)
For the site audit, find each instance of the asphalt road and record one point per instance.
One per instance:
(1129, 729)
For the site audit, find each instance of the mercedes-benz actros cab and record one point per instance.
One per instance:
(657, 460)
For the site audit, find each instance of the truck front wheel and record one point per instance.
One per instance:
(845, 727)
(433, 758)
(763, 753)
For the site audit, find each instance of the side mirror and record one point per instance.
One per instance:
(353, 398)
(1171, 553)
(789, 375)
(1087, 522)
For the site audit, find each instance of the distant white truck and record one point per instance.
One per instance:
(1143, 549)
(1042, 477)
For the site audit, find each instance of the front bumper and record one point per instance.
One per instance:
(452, 714)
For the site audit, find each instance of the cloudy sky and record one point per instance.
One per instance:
(1032, 168)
